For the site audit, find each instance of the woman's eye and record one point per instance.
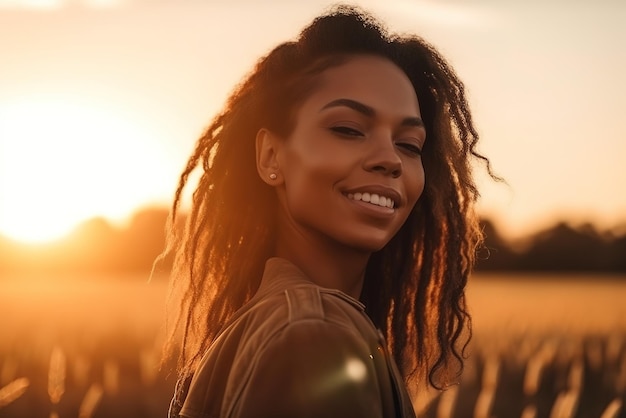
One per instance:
(346, 130)
(410, 148)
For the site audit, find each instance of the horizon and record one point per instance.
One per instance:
(125, 224)
(99, 247)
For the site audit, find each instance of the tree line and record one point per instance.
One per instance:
(96, 246)
(561, 247)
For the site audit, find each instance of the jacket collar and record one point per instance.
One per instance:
(281, 274)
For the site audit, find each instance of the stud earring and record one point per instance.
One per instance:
(273, 176)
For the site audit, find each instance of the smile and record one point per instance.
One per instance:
(374, 199)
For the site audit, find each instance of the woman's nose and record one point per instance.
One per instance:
(383, 157)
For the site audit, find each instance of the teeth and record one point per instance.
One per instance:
(373, 199)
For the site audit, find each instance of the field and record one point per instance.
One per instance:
(543, 347)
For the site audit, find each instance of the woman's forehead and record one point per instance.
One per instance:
(372, 80)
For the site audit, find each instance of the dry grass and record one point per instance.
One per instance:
(13, 390)
(91, 350)
(75, 349)
(542, 348)
(552, 376)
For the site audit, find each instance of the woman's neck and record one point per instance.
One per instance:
(325, 262)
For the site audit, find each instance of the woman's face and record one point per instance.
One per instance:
(351, 169)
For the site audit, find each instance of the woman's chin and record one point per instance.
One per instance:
(370, 244)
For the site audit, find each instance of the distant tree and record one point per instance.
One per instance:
(564, 248)
(617, 254)
(143, 241)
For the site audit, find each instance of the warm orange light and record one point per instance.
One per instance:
(32, 4)
(63, 161)
(56, 4)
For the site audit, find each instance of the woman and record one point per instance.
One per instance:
(323, 264)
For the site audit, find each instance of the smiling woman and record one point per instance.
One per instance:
(331, 233)
(62, 162)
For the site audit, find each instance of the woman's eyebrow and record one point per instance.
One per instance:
(352, 104)
(413, 121)
(369, 111)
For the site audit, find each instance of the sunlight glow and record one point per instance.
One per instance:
(102, 4)
(62, 162)
(32, 4)
(57, 4)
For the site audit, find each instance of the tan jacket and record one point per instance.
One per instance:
(296, 350)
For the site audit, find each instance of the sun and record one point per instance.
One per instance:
(64, 161)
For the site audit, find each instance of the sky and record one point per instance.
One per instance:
(101, 101)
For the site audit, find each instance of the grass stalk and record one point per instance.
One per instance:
(13, 390)
(56, 375)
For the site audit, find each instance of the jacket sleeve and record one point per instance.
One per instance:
(311, 368)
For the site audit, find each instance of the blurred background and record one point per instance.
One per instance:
(101, 102)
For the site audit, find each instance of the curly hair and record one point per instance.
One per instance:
(414, 287)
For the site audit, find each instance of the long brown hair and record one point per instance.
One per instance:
(414, 286)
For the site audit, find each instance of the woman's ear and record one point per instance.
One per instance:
(267, 147)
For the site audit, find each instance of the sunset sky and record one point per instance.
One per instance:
(101, 101)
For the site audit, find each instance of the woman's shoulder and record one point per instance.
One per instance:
(279, 317)
(319, 359)
(289, 339)
(317, 319)
(302, 307)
